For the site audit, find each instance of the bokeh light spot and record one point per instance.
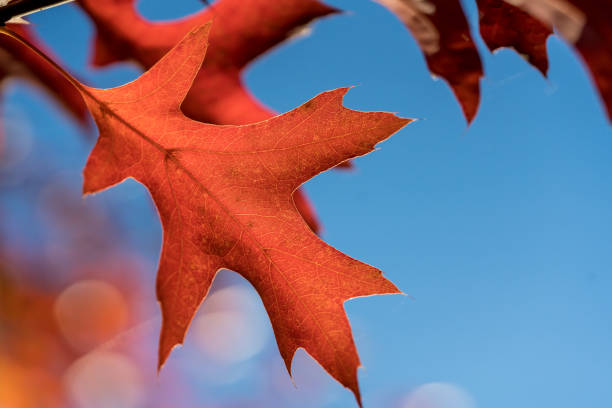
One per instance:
(105, 380)
(232, 326)
(89, 313)
(439, 395)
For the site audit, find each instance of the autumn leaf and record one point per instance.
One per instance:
(17, 60)
(244, 29)
(525, 26)
(443, 34)
(504, 25)
(224, 195)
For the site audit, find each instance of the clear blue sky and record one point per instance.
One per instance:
(500, 232)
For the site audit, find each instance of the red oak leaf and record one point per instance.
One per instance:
(244, 29)
(504, 25)
(18, 60)
(442, 32)
(586, 25)
(224, 195)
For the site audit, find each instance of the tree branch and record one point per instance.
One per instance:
(20, 8)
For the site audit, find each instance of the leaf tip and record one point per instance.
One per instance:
(543, 68)
(470, 110)
(87, 189)
(404, 121)
(355, 388)
(398, 121)
(165, 348)
(202, 30)
(325, 10)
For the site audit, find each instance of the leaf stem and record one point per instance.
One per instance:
(20, 8)
(6, 31)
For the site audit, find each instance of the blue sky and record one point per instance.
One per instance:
(499, 232)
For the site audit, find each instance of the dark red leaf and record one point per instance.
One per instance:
(442, 32)
(504, 25)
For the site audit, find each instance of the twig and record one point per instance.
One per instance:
(20, 8)
(14, 35)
